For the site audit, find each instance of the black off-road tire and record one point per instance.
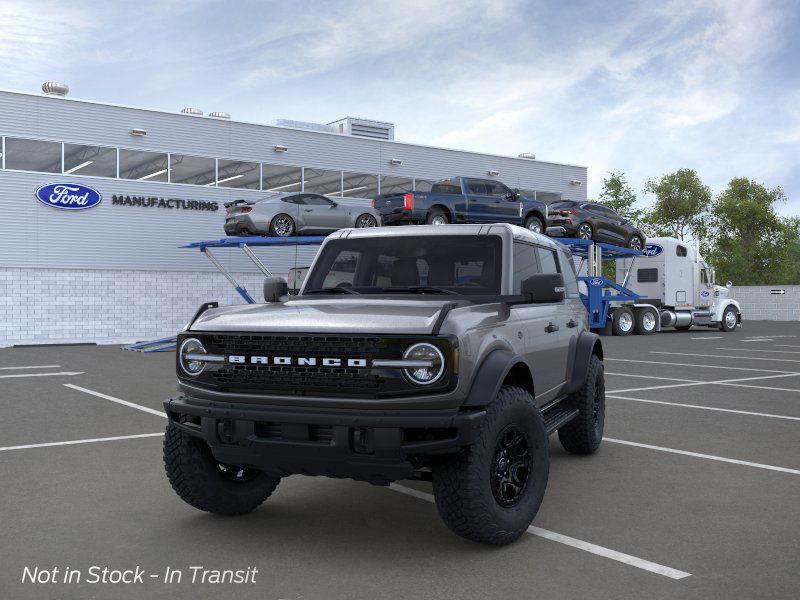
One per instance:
(584, 433)
(437, 214)
(201, 481)
(463, 483)
(645, 321)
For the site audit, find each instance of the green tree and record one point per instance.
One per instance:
(750, 243)
(681, 205)
(618, 196)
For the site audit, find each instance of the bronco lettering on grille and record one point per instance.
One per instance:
(298, 361)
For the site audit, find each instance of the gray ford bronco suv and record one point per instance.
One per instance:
(442, 353)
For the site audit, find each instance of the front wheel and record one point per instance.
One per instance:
(208, 485)
(584, 231)
(534, 224)
(366, 220)
(490, 491)
(281, 226)
(729, 320)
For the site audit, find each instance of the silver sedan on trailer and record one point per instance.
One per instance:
(296, 213)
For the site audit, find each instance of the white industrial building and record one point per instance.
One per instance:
(116, 272)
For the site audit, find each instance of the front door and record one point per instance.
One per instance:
(322, 214)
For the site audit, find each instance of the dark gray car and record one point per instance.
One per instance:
(297, 213)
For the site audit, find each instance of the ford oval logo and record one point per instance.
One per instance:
(652, 250)
(705, 294)
(595, 282)
(68, 196)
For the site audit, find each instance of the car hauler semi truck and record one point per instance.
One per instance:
(672, 277)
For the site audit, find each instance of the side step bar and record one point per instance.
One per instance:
(557, 417)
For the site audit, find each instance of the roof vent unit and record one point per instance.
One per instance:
(376, 130)
(527, 155)
(51, 88)
(303, 125)
(219, 115)
(192, 111)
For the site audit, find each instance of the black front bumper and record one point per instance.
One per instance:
(378, 447)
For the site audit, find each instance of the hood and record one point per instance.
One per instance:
(326, 315)
(720, 291)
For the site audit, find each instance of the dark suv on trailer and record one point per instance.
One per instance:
(593, 221)
(439, 353)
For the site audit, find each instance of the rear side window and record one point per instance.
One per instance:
(476, 186)
(681, 251)
(568, 271)
(293, 200)
(446, 188)
(526, 263)
(647, 275)
(547, 260)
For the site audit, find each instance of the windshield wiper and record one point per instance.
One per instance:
(421, 289)
(332, 290)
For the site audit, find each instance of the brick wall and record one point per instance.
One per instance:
(759, 304)
(47, 306)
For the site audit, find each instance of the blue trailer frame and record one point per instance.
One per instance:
(600, 296)
(245, 243)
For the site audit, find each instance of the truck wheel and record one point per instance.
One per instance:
(491, 491)
(645, 323)
(622, 324)
(281, 226)
(729, 319)
(584, 433)
(437, 217)
(208, 485)
(534, 224)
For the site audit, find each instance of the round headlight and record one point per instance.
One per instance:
(424, 375)
(191, 366)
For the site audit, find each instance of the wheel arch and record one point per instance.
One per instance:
(535, 212)
(444, 208)
(500, 367)
(588, 345)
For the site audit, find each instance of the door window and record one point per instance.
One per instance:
(547, 260)
(477, 187)
(495, 188)
(570, 277)
(317, 200)
(526, 263)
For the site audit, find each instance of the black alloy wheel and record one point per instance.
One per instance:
(282, 226)
(511, 466)
(635, 243)
(365, 221)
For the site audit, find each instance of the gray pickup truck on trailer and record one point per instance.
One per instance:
(424, 352)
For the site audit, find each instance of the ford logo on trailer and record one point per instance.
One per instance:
(595, 282)
(652, 250)
(68, 196)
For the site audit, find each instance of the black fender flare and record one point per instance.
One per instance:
(490, 376)
(588, 344)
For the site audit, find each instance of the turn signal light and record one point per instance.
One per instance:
(246, 209)
(408, 201)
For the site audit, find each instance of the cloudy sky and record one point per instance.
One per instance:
(641, 87)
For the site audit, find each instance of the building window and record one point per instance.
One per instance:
(96, 161)
(423, 185)
(194, 170)
(143, 166)
(359, 185)
(280, 178)
(396, 185)
(237, 174)
(33, 155)
(320, 181)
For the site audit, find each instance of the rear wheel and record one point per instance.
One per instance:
(206, 484)
(534, 224)
(622, 323)
(635, 242)
(729, 319)
(366, 220)
(281, 226)
(645, 322)
(584, 231)
(437, 217)
(491, 491)
(584, 433)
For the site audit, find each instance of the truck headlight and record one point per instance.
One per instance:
(425, 353)
(190, 357)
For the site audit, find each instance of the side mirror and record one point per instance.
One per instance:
(274, 288)
(544, 287)
(334, 204)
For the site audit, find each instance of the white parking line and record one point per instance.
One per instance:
(708, 337)
(152, 411)
(653, 377)
(627, 559)
(714, 408)
(706, 456)
(65, 373)
(87, 441)
(728, 382)
(725, 356)
(31, 367)
(674, 364)
(758, 350)
(786, 346)
(717, 382)
(757, 340)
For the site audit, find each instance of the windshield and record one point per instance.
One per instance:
(436, 264)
